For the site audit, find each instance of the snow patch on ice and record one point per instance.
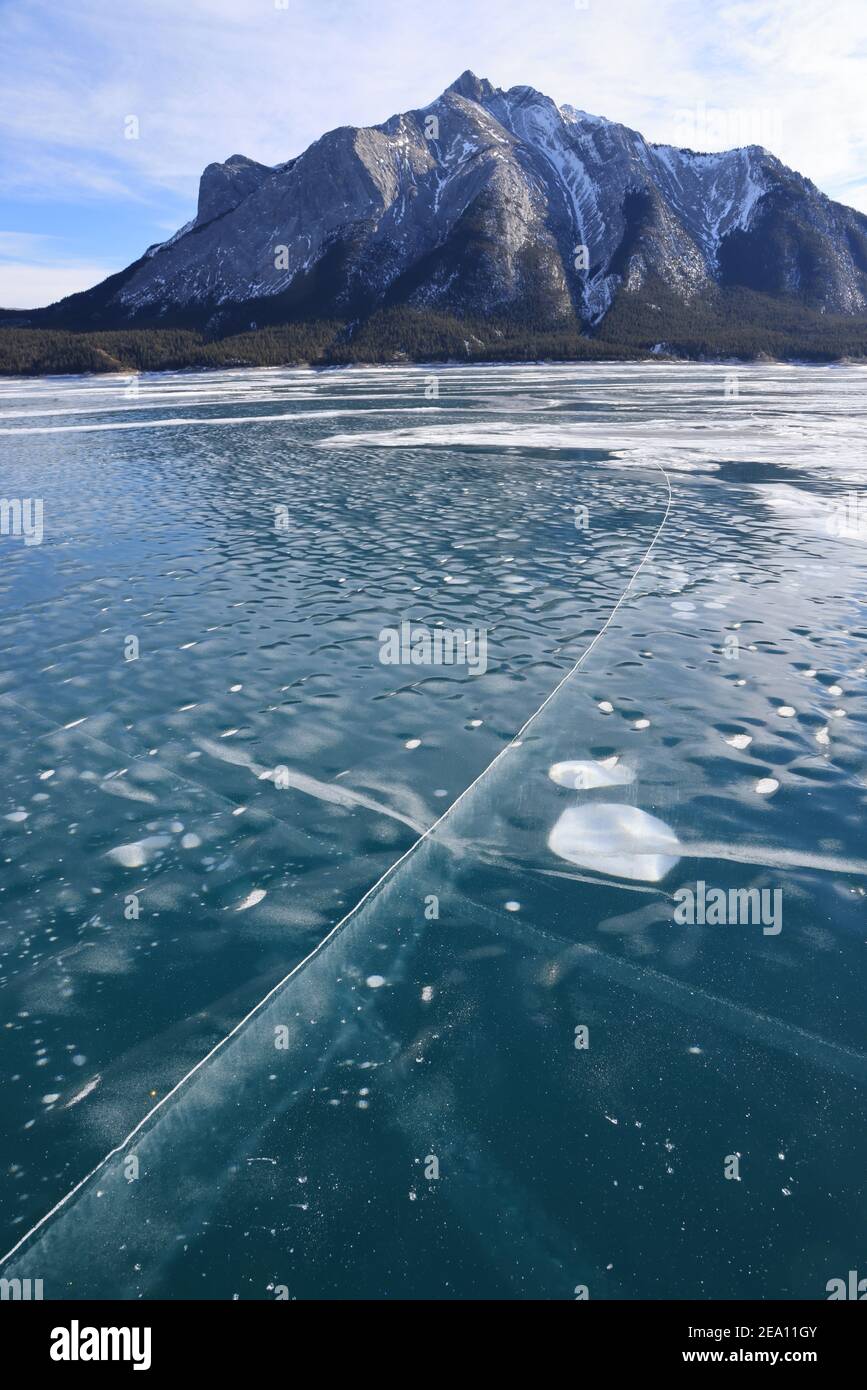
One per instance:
(584, 775)
(618, 840)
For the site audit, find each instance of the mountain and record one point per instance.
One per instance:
(498, 207)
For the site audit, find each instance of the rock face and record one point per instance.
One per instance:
(488, 202)
(224, 186)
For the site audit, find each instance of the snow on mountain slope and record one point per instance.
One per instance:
(491, 201)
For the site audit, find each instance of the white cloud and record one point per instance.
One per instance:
(212, 77)
(33, 275)
(24, 286)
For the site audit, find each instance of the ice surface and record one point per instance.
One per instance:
(440, 1017)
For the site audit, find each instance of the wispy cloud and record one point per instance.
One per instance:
(211, 77)
(31, 286)
(33, 271)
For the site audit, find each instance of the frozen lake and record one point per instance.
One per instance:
(433, 853)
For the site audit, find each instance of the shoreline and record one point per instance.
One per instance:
(453, 364)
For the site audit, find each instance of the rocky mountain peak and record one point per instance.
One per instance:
(473, 88)
(224, 185)
(506, 205)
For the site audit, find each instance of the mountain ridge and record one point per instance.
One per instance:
(493, 205)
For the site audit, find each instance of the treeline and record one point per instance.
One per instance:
(48, 351)
(732, 323)
(392, 335)
(423, 335)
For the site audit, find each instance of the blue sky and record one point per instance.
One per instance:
(210, 78)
